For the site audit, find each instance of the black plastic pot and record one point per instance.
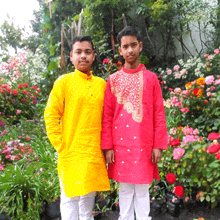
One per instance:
(4, 217)
(173, 207)
(97, 216)
(191, 204)
(50, 211)
(156, 207)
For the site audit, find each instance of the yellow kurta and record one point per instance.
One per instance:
(77, 100)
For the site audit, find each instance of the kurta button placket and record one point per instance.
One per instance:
(127, 126)
(135, 137)
(115, 127)
(121, 139)
(121, 114)
(128, 149)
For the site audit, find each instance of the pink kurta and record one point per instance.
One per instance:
(133, 124)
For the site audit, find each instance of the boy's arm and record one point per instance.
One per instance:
(53, 111)
(160, 129)
(107, 119)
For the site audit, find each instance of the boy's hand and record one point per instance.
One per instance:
(109, 156)
(156, 155)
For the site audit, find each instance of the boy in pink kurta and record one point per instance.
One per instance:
(133, 128)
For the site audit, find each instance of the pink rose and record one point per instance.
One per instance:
(206, 55)
(209, 79)
(216, 51)
(169, 72)
(18, 111)
(217, 82)
(176, 68)
(178, 153)
(184, 110)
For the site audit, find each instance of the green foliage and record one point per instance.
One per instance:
(196, 169)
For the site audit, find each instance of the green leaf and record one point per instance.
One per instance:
(208, 198)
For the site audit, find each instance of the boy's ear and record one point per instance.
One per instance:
(141, 45)
(93, 55)
(71, 53)
(119, 50)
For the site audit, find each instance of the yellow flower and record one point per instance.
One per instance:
(200, 81)
(188, 85)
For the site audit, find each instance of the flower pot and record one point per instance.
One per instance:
(156, 207)
(50, 211)
(190, 204)
(173, 207)
(97, 215)
(4, 217)
(53, 209)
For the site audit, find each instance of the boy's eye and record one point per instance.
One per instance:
(78, 52)
(125, 46)
(134, 44)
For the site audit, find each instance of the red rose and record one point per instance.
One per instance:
(24, 92)
(20, 86)
(9, 90)
(179, 191)
(213, 136)
(171, 178)
(217, 156)
(175, 142)
(15, 93)
(28, 138)
(106, 60)
(25, 85)
(34, 87)
(205, 102)
(214, 148)
(24, 100)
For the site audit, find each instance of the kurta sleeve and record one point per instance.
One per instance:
(52, 114)
(160, 129)
(106, 134)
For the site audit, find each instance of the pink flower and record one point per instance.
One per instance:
(18, 111)
(216, 51)
(28, 160)
(212, 88)
(106, 60)
(28, 138)
(195, 131)
(189, 138)
(176, 68)
(178, 153)
(13, 157)
(209, 79)
(217, 82)
(169, 72)
(206, 55)
(35, 102)
(1, 167)
(184, 110)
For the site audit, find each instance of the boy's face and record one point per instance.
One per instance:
(82, 56)
(130, 48)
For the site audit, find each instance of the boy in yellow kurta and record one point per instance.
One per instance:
(73, 122)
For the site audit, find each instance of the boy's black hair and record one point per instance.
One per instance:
(81, 39)
(128, 31)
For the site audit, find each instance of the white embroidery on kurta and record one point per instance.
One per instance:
(128, 88)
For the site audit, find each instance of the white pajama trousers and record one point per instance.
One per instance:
(134, 198)
(76, 208)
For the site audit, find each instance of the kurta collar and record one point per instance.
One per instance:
(83, 75)
(140, 67)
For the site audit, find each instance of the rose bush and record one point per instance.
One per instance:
(192, 164)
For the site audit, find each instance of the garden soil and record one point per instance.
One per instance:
(198, 212)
